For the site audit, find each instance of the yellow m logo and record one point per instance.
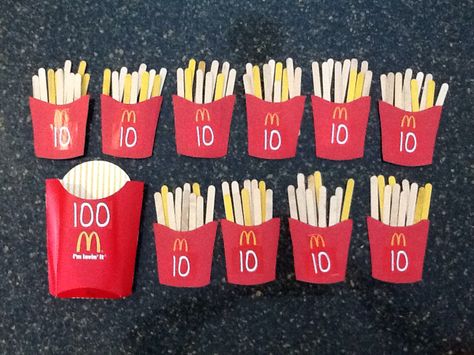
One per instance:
(399, 238)
(408, 121)
(61, 117)
(202, 115)
(129, 116)
(314, 241)
(273, 118)
(180, 244)
(88, 241)
(247, 236)
(339, 113)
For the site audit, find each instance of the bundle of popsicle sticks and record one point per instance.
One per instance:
(61, 86)
(208, 86)
(185, 210)
(279, 83)
(404, 91)
(397, 205)
(134, 87)
(308, 201)
(250, 206)
(341, 81)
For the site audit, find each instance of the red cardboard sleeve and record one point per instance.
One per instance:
(251, 251)
(185, 258)
(408, 138)
(320, 254)
(397, 253)
(273, 127)
(59, 131)
(128, 130)
(92, 243)
(202, 130)
(340, 128)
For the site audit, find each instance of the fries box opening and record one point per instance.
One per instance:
(408, 138)
(397, 253)
(185, 258)
(128, 130)
(340, 128)
(251, 251)
(92, 219)
(59, 131)
(273, 127)
(320, 254)
(202, 130)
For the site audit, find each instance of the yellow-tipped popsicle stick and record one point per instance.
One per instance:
(284, 86)
(188, 84)
(155, 91)
(127, 87)
(359, 85)
(391, 180)
(164, 197)
(352, 85)
(51, 86)
(106, 82)
(192, 70)
(85, 84)
(219, 87)
(426, 202)
(419, 204)
(196, 189)
(82, 67)
(263, 199)
(202, 66)
(415, 104)
(246, 206)
(257, 85)
(318, 182)
(381, 183)
(144, 86)
(346, 207)
(431, 93)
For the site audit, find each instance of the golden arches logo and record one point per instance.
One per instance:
(202, 115)
(273, 118)
(340, 113)
(399, 238)
(61, 117)
(129, 116)
(180, 244)
(88, 241)
(247, 236)
(408, 121)
(314, 241)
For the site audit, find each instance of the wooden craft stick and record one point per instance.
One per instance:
(246, 203)
(284, 86)
(238, 212)
(36, 87)
(185, 207)
(225, 73)
(141, 69)
(374, 198)
(51, 86)
(196, 189)
(160, 216)
(263, 192)
(180, 82)
(359, 85)
(257, 204)
(430, 95)
(43, 85)
(338, 82)
(332, 210)
(210, 202)
(202, 66)
(381, 185)
(443, 91)
(269, 205)
(352, 80)
(399, 91)
(116, 86)
(292, 202)
(82, 67)
(425, 211)
(391, 180)
(231, 83)
(405, 185)
(395, 205)
(151, 83)
(214, 71)
(257, 86)
(163, 73)
(407, 89)
(330, 62)
(391, 88)
(272, 65)
(121, 83)
(339, 197)
(364, 67)
(77, 86)
(322, 215)
(247, 84)
(145, 79)
(424, 93)
(248, 186)
(155, 90)
(318, 182)
(249, 73)
(266, 83)
(200, 212)
(85, 84)
(316, 79)
(346, 207)
(208, 88)
(291, 76)
(192, 211)
(192, 71)
(346, 67)
(419, 204)
(170, 205)
(419, 81)
(219, 87)
(415, 106)
(297, 83)
(383, 87)
(66, 72)
(387, 200)
(188, 84)
(313, 189)
(178, 206)
(326, 82)
(367, 83)
(127, 93)
(164, 197)
(70, 89)
(198, 97)
(402, 209)
(229, 214)
(310, 207)
(277, 84)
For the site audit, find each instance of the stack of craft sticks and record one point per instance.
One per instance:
(61, 86)
(341, 81)
(279, 83)
(184, 210)
(397, 205)
(404, 91)
(250, 206)
(206, 86)
(308, 202)
(134, 87)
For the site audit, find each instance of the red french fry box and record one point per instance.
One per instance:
(273, 127)
(185, 258)
(340, 128)
(408, 138)
(59, 131)
(128, 130)
(397, 253)
(251, 251)
(92, 243)
(202, 130)
(320, 254)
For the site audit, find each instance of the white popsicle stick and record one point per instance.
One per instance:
(339, 198)
(210, 201)
(424, 93)
(36, 87)
(180, 82)
(115, 86)
(77, 86)
(443, 91)
(225, 72)
(121, 83)
(66, 72)
(160, 215)
(151, 80)
(272, 65)
(364, 67)
(59, 79)
(292, 202)
(405, 185)
(70, 88)
(267, 89)
(291, 77)
(402, 209)
(310, 207)
(338, 82)
(208, 88)
(395, 205)
(230, 83)
(297, 82)
(407, 89)
(346, 68)
(248, 84)
(163, 73)
(399, 97)
(257, 204)
(214, 72)
(171, 214)
(269, 205)
(198, 98)
(248, 186)
(249, 73)
(178, 205)
(322, 214)
(331, 70)
(237, 203)
(374, 198)
(185, 207)
(326, 82)
(192, 211)
(412, 204)
(200, 212)
(419, 82)
(134, 88)
(301, 202)
(316, 79)
(367, 83)
(383, 87)
(332, 210)
(387, 199)
(43, 85)
(391, 88)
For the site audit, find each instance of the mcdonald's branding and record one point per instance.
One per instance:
(340, 113)
(408, 120)
(247, 236)
(202, 115)
(273, 118)
(314, 241)
(61, 117)
(129, 116)
(399, 238)
(88, 238)
(180, 244)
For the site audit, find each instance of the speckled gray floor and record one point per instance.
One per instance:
(359, 316)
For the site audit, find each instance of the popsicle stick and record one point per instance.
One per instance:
(292, 202)
(374, 198)
(66, 72)
(77, 86)
(424, 93)
(188, 84)
(402, 209)
(399, 102)
(192, 73)
(210, 201)
(180, 82)
(407, 89)
(51, 87)
(330, 62)
(419, 82)
(318, 182)
(391, 88)
(141, 69)
(257, 86)
(246, 203)
(425, 211)
(70, 88)
(144, 82)
(170, 208)
(359, 85)
(229, 214)
(419, 204)
(322, 215)
(352, 80)
(277, 84)
(316, 79)
(155, 90)
(395, 205)
(367, 83)
(267, 88)
(326, 82)
(310, 207)
(185, 207)
(116, 86)
(387, 200)
(257, 204)
(332, 210)
(339, 197)
(231, 82)
(383, 87)
(151, 83)
(415, 106)
(284, 86)
(346, 67)
(164, 197)
(391, 180)
(121, 83)
(200, 212)
(219, 87)
(163, 73)
(269, 205)
(239, 216)
(346, 207)
(291, 77)
(199, 95)
(85, 84)
(412, 196)
(208, 88)
(36, 87)
(301, 198)
(247, 84)
(311, 185)
(263, 191)
(430, 95)
(192, 211)
(196, 189)
(381, 186)
(202, 66)
(338, 82)
(405, 185)
(43, 85)
(214, 70)
(178, 206)
(272, 65)
(297, 84)
(248, 186)
(127, 93)
(82, 67)
(443, 91)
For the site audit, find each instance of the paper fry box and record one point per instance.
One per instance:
(320, 254)
(251, 251)
(128, 130)
(185, 258)
(397, 253)
(340, 128)
(92, 243)
(273, 127)
(408, 138)
(202, 130)
(59, 131)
